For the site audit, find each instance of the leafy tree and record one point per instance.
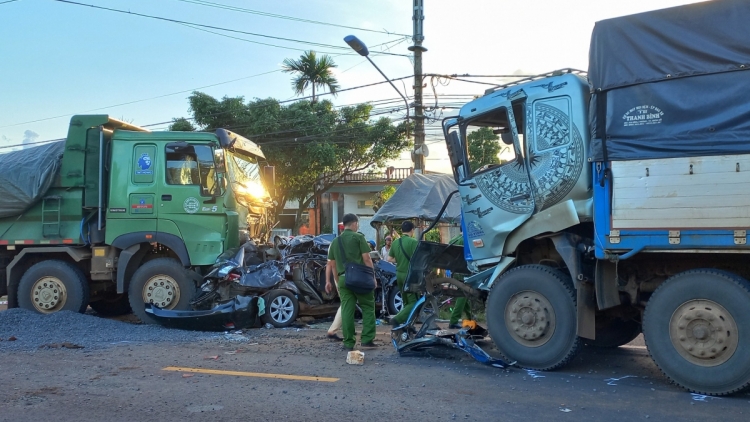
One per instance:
(432, 235)
(312, 145)
(313, 72)
(483, 148)
(181, 125)
(382, 197)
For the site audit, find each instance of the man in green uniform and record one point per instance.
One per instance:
(401, 252)
(462, 303)
(355, 250)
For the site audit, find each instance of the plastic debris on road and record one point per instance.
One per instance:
(534, 374)
(565, 410)
(613, 381)
(235, 337)
(701, 397)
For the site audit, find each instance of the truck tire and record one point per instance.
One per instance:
(113, 305)
(531, 317)
(615, 332)
(53, 285)
(163, 282)
(282, 308)
(395, 301)
(697, 331)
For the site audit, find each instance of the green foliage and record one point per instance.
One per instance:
(312, 145)
(432, 235)
(483, 148)
(181, 125)
(383, 196)
(311, 71)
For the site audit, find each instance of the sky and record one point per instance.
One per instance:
(59, 59)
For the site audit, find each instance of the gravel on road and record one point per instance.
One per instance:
(23, 330)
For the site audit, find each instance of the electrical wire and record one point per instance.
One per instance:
(177, 21)
(31, 143)
(301, 98)
(389, 110)
(145, 99)
(274, 15)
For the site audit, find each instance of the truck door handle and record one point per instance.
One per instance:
(166, 197)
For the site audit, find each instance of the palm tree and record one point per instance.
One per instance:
(311, 72)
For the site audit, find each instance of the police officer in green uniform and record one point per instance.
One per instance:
(356, 250)
(401, 252)
(462, 303)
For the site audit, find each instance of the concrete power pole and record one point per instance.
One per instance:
(417, 48)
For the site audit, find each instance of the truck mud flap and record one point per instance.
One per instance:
(607, 292)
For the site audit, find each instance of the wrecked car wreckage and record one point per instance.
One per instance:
(235, 295)
(283, 288)
(421, 279)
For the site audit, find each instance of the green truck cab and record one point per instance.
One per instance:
(131, 217)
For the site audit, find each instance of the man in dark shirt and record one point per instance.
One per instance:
(355, 250)
(401, 252)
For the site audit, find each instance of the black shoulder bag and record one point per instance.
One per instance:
(357, 277)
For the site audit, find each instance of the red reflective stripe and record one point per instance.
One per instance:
(54, 242)
(28, 242)
(3, 242)
(67, 240)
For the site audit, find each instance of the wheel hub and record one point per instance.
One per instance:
(703, 332)
(48, 294)
(282, 309)
(398, 302)
(162, 291)
(529, 318)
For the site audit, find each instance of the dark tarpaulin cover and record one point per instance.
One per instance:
(26, 175)
(673, 81)
(421, 196)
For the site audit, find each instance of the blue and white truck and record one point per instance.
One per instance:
(625, 204)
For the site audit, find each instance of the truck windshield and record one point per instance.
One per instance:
(489, 142)
(244, 175)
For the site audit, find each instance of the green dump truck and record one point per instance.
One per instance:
(116, 216)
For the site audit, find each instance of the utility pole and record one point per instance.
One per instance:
(418, 37)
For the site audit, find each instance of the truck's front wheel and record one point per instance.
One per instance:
(163, 282)
(53, 285)
(696, 330)
(531, 316)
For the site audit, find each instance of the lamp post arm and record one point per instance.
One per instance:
(406, 102)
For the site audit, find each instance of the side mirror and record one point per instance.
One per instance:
(220, 161)
(269, 178)
(454, 149)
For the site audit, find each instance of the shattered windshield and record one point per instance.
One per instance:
(244, 175)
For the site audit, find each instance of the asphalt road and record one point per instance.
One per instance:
(129, 382)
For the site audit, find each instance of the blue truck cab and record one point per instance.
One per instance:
(619, 203)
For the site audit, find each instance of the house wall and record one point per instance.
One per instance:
(351, 203)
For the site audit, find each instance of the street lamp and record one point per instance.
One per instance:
(357, 45)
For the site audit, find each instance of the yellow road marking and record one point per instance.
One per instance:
(249, 374)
